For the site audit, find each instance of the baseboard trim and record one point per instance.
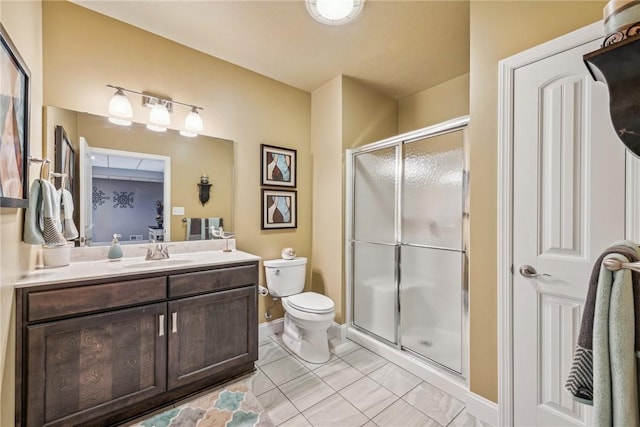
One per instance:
(338, 331)
(482, 409)
(266, 329)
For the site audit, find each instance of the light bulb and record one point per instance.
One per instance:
(334, 12)
(193, 121)
(335, 9)
(120, 110)
(159, 118)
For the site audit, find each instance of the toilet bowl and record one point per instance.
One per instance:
(308, 315)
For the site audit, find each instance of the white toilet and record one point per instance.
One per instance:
(308, 315)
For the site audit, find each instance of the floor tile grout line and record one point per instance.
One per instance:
(457, 415)
(396, 398)
(346, 400)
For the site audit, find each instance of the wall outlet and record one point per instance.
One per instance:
(177, 210)
(135, 237)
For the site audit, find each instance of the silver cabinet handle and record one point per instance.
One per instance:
(530, 272)
(174, 322)
(161, 325)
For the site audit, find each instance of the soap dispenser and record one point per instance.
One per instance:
(115, 251)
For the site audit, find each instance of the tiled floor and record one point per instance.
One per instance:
(354, 388)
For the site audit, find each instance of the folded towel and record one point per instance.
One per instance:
(51, 225)
(200, 228)
(580, 382)
(32, 233)
(69, 230)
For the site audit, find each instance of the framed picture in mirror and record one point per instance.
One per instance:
(14, 125)
(278, 166)
(65, 159)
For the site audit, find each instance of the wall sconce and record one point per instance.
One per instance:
(121, 112)
(204, 189)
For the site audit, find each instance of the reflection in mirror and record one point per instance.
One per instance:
(130, 179)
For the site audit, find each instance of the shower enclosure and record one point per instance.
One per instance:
(407, 220)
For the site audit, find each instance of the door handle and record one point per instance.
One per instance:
(161, 325)
(530, 272)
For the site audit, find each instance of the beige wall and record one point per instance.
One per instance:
(345, 114)
(499, 29)
(22, 22)
(446, 101)
(84, 51)
(326, 151)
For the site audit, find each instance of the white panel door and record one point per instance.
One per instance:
(568, 206)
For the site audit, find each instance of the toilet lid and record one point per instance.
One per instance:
(311, 302)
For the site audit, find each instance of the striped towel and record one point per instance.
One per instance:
(580, 382)
(200, 228)
(50, 218)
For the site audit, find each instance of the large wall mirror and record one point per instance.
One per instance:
(141, 184)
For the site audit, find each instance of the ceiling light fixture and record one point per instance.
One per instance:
(334, 12)
(121, 112)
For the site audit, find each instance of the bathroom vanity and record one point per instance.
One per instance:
(100, 342)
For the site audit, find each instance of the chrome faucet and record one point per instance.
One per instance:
(157, 252)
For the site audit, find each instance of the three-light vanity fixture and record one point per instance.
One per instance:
(121, 112)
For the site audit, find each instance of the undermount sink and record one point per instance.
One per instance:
(154, 263)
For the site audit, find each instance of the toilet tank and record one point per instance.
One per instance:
(285, 276)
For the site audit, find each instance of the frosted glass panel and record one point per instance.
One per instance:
(431, 301)
(374, 195)
(432, 191)
(374, 289)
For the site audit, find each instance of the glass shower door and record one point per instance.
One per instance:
(432, 254)
(374, 241)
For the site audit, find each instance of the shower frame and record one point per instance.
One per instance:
(453, 125)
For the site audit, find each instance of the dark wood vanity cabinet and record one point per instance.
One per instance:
(103, 352)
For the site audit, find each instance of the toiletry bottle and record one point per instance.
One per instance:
(115, 251)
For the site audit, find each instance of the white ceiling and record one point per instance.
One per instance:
(397, 47)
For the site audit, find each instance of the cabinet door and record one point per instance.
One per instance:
(210, 333)
(85, 367)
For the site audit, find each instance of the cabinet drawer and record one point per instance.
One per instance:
(64, 302)
(212, 280)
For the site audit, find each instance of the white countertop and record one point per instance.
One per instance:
(85, 270)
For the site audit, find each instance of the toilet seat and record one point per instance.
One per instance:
(310, 302)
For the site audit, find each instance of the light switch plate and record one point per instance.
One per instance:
(177, 210)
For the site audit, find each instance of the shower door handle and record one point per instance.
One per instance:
(530, 272)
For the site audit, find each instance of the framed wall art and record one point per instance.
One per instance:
(278, 166)
(279, 209)
(14, 125)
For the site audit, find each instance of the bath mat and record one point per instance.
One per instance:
(231, 406)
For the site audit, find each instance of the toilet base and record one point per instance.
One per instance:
(311, 345)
